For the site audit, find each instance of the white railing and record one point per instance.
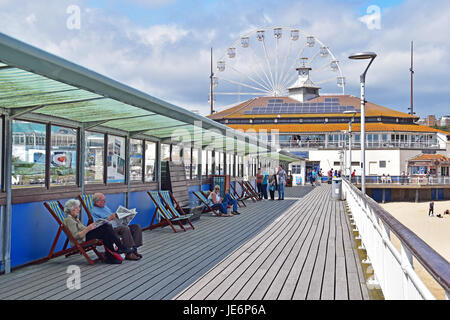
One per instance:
(399, 180)
(394, 270)
(356, 145)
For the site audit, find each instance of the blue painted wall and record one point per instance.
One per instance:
(33, 229)
(193, 200)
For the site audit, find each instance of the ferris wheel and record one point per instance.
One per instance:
(263, 62)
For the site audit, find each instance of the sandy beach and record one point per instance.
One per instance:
(434, 231)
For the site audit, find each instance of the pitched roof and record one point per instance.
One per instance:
(432, 157)
(334, 127)
(372, 109)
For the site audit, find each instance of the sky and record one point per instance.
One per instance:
(162, 47)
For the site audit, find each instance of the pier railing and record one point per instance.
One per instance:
(394, 269)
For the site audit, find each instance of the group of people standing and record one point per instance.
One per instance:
(273, 182)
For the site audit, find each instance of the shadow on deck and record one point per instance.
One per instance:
(171, 263)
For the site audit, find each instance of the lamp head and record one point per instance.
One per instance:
(363, 55)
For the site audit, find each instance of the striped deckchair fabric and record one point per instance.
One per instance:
(201, 196)
(220, 181)
(168, 199)
(207, 208)
(57, 211)
(56, 207)
(87, 201)
(160, 207)
(164, 213)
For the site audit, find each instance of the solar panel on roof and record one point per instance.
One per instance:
(328, 100)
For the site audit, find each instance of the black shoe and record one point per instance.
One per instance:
(125, 250)
(112, 261)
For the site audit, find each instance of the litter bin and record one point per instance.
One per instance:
(336, 189)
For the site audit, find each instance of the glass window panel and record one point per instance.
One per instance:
(210, 162)
(187, 162)
(176, 153)
(116, 159)
(165, 152)
(194, 163)
(150, 161)
(1, 149)
(136, 159)
(28, 155)
(63, 156)
(93, 167)
(204, 164)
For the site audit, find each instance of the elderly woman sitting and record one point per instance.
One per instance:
(83, 233)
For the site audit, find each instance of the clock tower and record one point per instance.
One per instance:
(303, 89)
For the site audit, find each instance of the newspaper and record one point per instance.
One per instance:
(124, 215)
(100, 222)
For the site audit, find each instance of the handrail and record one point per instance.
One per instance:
(433, 262)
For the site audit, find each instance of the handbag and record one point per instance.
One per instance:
(115, 255)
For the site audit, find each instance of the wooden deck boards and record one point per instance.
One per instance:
(306, 253)
(299, 248)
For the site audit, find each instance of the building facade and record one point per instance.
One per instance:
(320, 128)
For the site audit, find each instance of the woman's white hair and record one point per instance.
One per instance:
(70, 204)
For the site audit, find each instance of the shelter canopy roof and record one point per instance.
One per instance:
(37, 85)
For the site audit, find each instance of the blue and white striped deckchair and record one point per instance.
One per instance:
(220, 181)
(56, 210)
(201, 196)
(174, 207)
(163, 214)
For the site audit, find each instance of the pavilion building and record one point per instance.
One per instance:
(317, 128)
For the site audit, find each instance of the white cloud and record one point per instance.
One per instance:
(170, 60)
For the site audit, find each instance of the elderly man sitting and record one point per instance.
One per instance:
(131, 234)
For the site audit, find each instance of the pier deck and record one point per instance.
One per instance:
(299, 248)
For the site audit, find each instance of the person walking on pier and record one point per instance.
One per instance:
(265, 181)
(273, 185)
(431, 209)
(281, 182)
(259, 183)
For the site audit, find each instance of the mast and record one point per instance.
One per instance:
(211, 97)
(411, 108)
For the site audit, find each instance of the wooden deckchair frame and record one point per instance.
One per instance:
(176, 208)
(78, 247)
(206, 203)
(237, 197)
(252, 188)
(250, 193)
(164, 220)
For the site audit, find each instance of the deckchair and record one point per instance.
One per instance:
(245, 195)
(236, 196)
(163, 214)
(56, 210)
(201, 196)
(87, 201)
(221, 182)
(252, 188)
(171, 203)
(246, 191)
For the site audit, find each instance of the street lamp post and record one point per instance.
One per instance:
(350, 142)
(363, 56)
